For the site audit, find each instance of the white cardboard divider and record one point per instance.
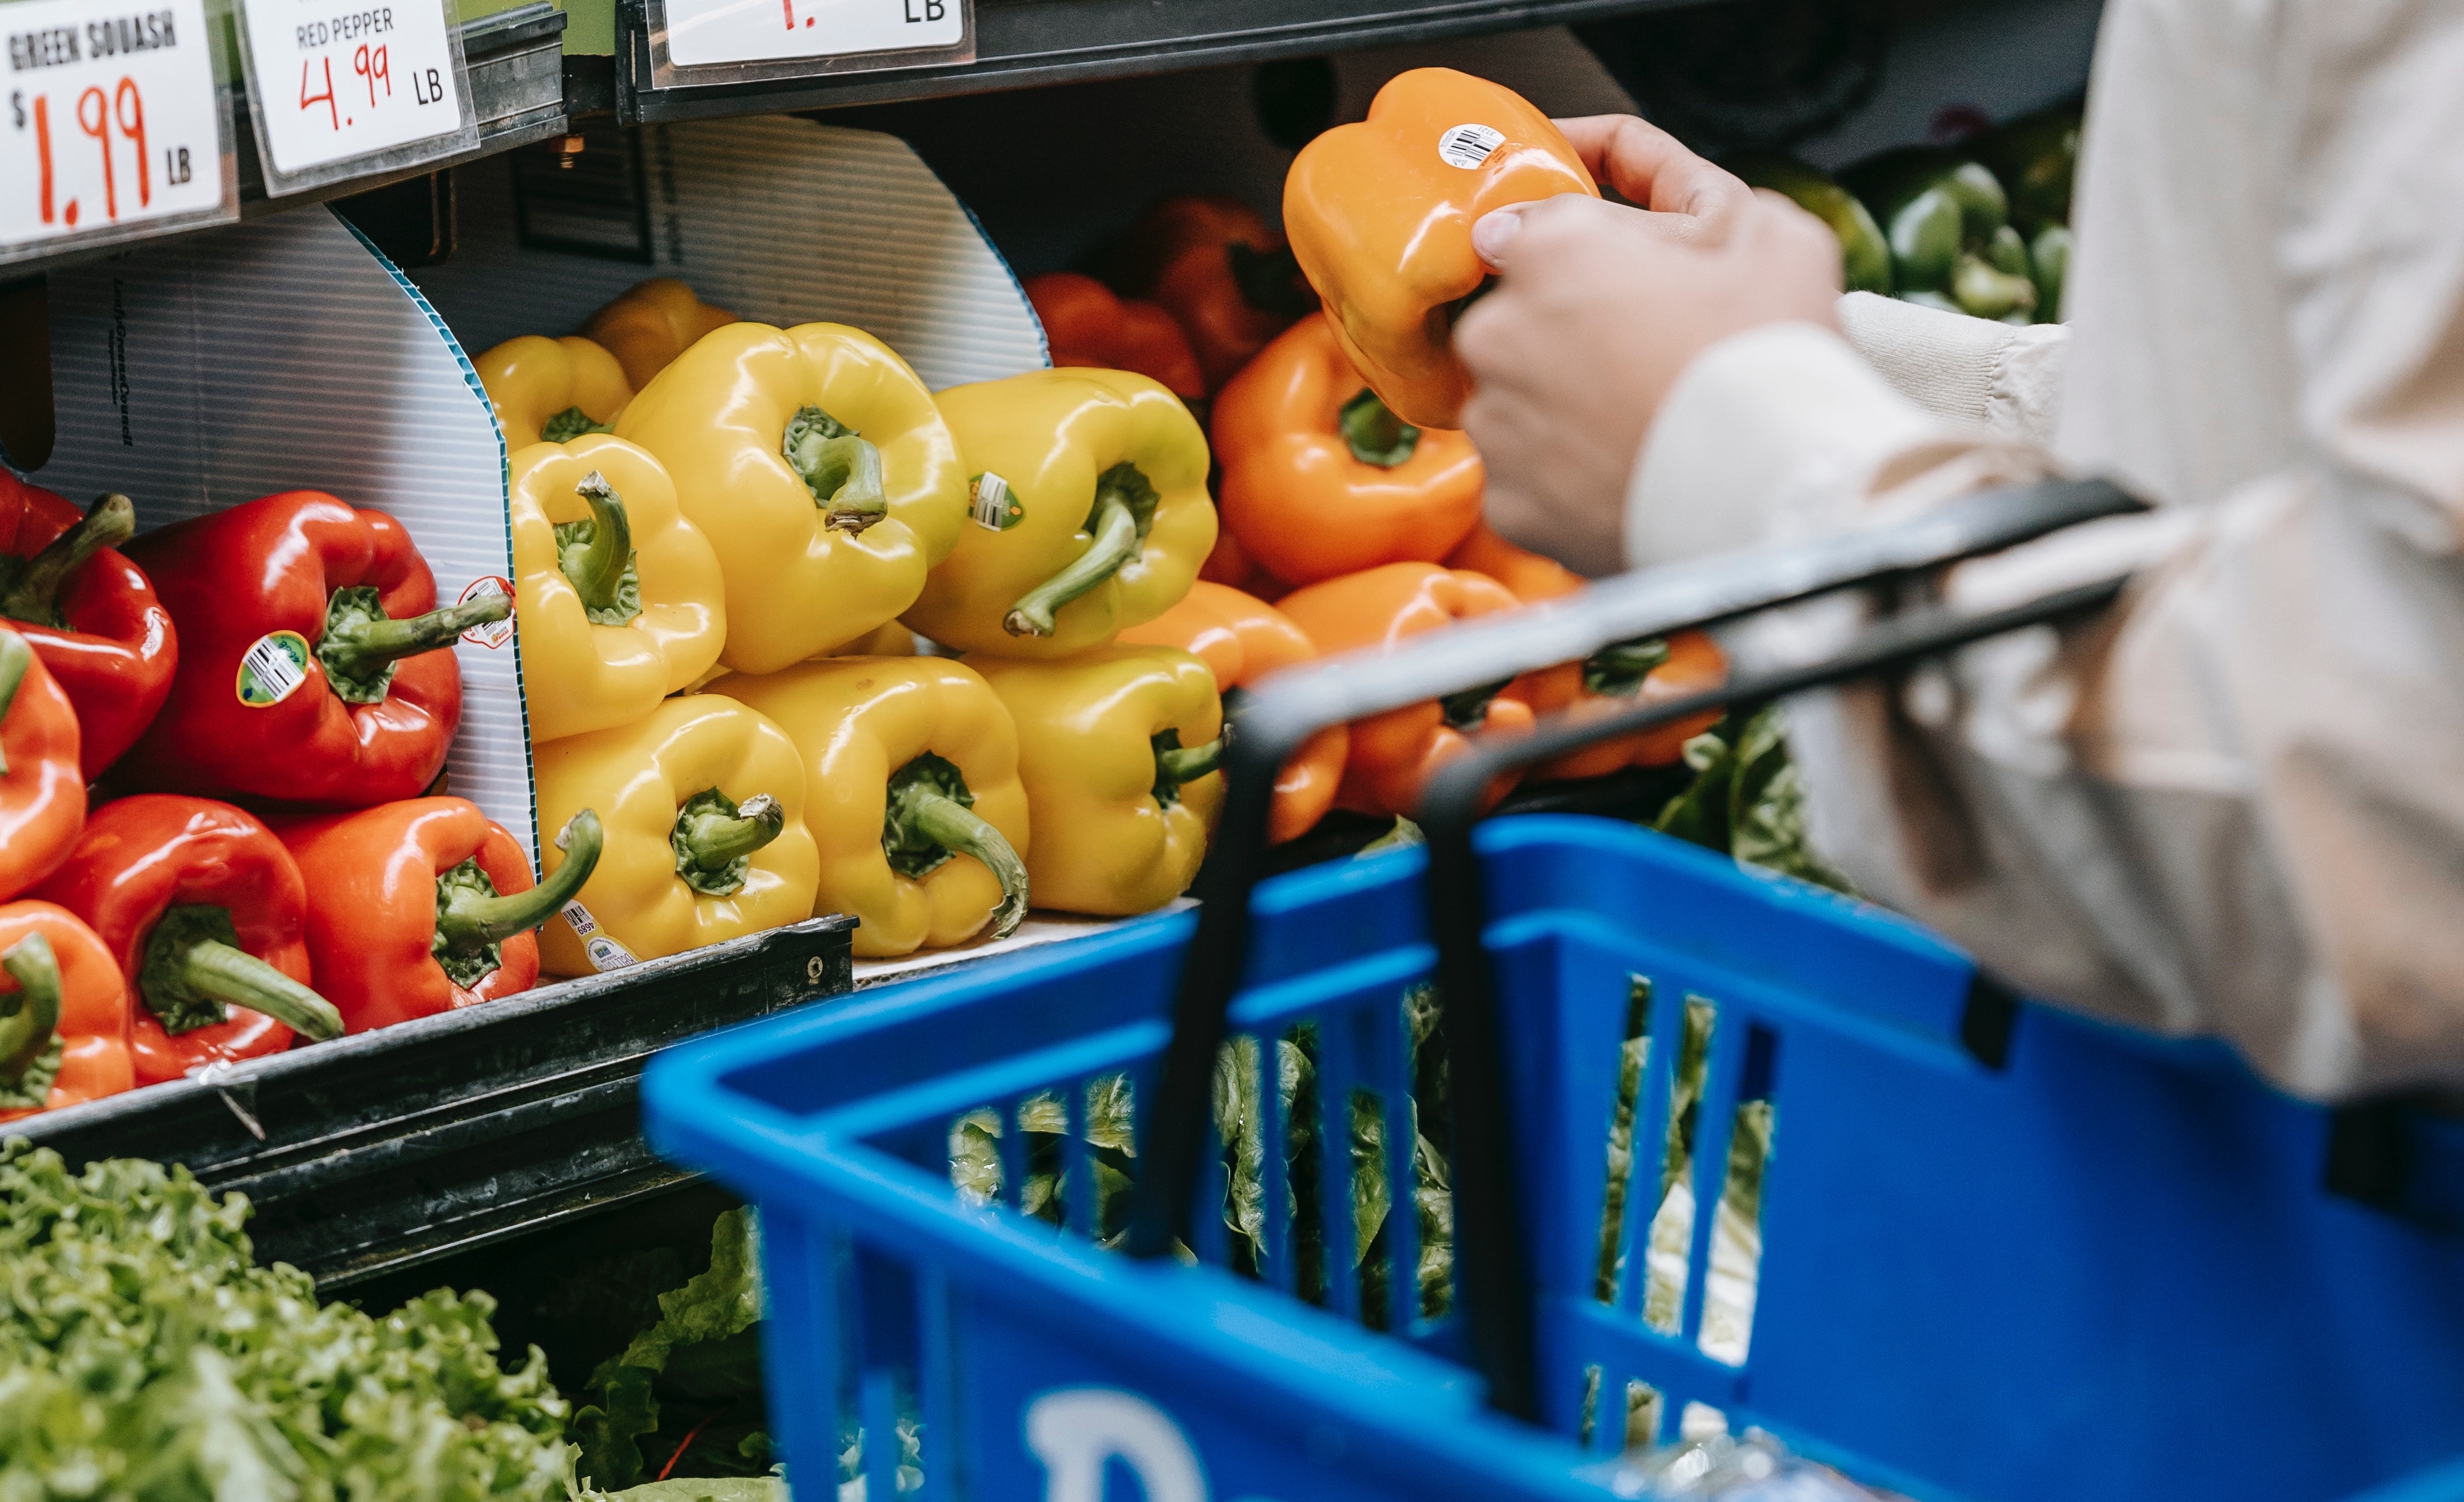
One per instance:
(287, 355)
(776, 219)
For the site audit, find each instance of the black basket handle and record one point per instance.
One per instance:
(1491, 1269)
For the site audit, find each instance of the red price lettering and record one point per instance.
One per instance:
(307, 98)
(129, 106)
(96, 113)
(372, 67)
(100, 128)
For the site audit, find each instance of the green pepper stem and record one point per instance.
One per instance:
(360, 647)
(1178, 765)
(839, 466)
(1115, 527)
(571, 424)
(34, 596)
(711, 840)
(15, 658)
(26, 1033)
(1619, 668)
(597, 567)
(1374, 434)
(467, 922)
(237, 978)
(951, 824)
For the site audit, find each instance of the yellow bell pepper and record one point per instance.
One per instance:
(618, 594)
(912, 764)
(1090, 512)
(703, 806)
(551, 390)
(890, 638)
(816, 464)
(651, 323)
(1117, 747)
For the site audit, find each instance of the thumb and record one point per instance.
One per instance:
(1494, 232)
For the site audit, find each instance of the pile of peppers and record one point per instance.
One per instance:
(214, 743)
(1980, 227)
(730, 538)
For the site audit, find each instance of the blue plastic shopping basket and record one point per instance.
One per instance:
(2004, 1253)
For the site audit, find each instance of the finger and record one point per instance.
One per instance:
(1569, 220)
(1649, 167)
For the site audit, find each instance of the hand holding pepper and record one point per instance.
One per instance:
(910, 764)
(425, 905)
(551, 390)
(90, 614)
(1392, 753)
(1087, 326)
(314, 670)
(1117, 747)
(205, 914)
(1242, 639)
(64, 1030)
(1380, 214)
(622, 600)
(1321, 479)
(1091, 513)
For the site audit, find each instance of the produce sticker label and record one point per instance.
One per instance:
(272, 669)
(1468, 146)
(706, 32)
(373, 82)
(995, 505)
(490, 634)
(112, 122)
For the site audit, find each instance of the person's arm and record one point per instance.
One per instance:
(2235, 804)
(1970, 370)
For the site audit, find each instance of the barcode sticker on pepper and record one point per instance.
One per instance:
(996, 508)
(605, 954)
(272, 669)
(1467, 146)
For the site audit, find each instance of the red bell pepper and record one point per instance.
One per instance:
(42, 793)
(207, 915)
(89, 612)
(65, 1037)
(421, 906)
(314, 669)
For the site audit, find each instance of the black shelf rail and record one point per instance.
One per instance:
(384, 1151)
(1025, 43)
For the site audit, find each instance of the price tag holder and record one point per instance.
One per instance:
(700, 42)
(348, 88)
(114, 126)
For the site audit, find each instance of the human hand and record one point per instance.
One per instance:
(1596, 311)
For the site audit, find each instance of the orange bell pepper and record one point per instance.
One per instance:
(1229, 281)
(67, 1039)
(1320, 479)
(1381, 215)
(1087, 327)
(1241, 639)
(42, 790)
(1392, 753)
(1532, 577)
(650, 324)
(1687, 662)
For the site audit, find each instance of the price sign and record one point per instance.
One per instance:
(754, 37)
(113, 124)
(341, 87)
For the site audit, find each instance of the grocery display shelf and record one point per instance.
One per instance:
(384, 1150)
(1023, 43)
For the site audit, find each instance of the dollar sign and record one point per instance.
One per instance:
(17, 103)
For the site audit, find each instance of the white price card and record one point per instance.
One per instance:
(113, 124)
(342, 87)
(787, 36)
